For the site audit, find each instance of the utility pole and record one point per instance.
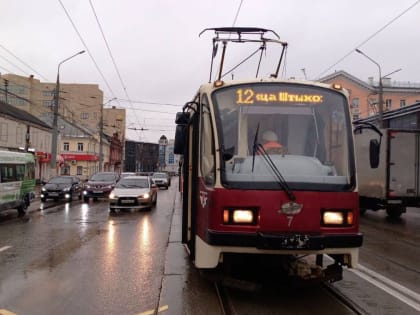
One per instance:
(55, 131)
(380, 92)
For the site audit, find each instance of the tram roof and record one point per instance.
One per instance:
(211, 85)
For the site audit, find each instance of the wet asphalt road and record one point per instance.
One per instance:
(77, 259)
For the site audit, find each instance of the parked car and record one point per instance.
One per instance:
(62, 187)
(100, 185)
(133, 192)
(161, 179)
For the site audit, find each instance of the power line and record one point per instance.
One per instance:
(112, 57)
(23, 62)
(370, 37)
(87, 49)
(153, 103)
(237, 13)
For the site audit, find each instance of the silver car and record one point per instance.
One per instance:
(133, 192)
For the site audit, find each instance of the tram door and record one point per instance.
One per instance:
(190, 182)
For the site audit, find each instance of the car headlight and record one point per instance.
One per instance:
(146, 195)
(43, 189)
(112, 195)
(66, 189)
(87, 186)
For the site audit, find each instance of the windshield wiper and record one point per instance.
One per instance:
(255, 146)
(280, 179)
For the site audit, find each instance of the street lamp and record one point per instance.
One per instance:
(381, 101)
(101, 131)
(55, 131)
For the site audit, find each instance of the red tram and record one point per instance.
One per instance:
(296, 198)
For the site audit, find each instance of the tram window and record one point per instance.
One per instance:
(207, 158)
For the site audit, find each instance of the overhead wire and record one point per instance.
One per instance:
(86, 47)
(14, 65)
(23, 62)
(369, 38)
(111, 56)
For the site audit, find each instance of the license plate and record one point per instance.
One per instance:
(53, 194)
(127, 201)
(98, 192)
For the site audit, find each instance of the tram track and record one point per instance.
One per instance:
(227, 306)
(223, 298)
(343, 299)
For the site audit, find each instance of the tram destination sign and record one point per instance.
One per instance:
(249, 96)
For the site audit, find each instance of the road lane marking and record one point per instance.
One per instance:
(396, 290)
(6, 312)
(4, 248)
(151, 312)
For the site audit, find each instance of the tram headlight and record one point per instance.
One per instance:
(240, 216)
(337, 217)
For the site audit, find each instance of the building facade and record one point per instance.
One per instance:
(21, 131)
(364, 96)
(80, 104)
(141, 157)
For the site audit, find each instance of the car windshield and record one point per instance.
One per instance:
(133, 183)
(159, 175)
(101, 177)
(60, 180)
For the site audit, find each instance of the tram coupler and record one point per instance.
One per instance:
(308, 270)
(333, 273)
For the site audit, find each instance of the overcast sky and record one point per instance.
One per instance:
(158, 61)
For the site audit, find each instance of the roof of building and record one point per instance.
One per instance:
(10, 111)
(387, 85)
(403, 111)
(70, 129)
(348, 76)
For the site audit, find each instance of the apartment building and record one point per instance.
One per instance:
(80, 104)
(364, 97)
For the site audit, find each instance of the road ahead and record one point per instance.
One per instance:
(77, 259)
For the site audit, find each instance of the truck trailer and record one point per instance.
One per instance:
(387, 168)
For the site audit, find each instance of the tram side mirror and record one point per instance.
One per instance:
(180, 139)
(182, 118)
(374, 147)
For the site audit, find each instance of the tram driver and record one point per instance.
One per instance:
(271, 143)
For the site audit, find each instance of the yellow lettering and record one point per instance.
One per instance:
(248, 96)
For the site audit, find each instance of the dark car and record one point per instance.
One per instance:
(100, 185)
(161, 179)
(62, 187)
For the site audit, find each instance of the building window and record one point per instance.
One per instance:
(355, 116)
(3, 132)
(48, 93)
(79, 170)
(66, 146)
(80, 146)
(355, 102)
(388, 103)
(402, 103)
(84, 115)
(48, 103)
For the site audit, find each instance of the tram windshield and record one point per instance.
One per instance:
(304, 130)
